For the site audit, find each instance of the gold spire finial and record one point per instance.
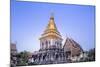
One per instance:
(51, 29)
(52, 16)
(51, 25)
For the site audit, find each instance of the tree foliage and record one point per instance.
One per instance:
(91, 54)
(22, 58)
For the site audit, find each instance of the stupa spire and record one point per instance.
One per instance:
(51, 25)
(51, 29)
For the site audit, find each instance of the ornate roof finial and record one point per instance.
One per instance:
(52, 16)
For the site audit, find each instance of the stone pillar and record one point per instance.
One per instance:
(52, 57)
(46, 57)
(42, 58)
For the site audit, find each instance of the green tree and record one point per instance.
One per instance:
(91, 54)
(22, 58)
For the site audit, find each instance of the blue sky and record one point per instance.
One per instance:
(29, 20)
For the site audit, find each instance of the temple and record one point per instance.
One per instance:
(51, 49)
